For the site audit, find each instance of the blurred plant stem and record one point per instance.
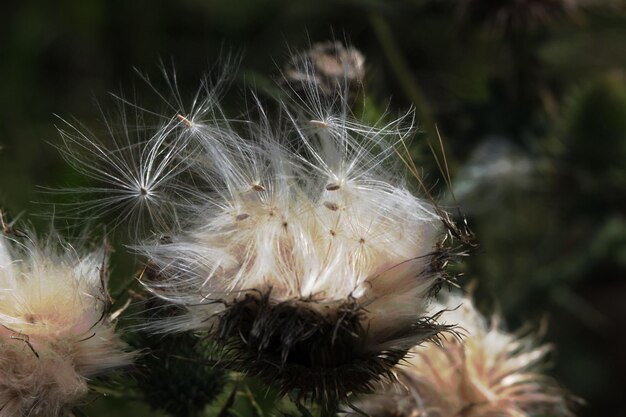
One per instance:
(403, 73)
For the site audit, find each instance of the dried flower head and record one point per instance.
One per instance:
(53, 331)
(300, 248)
(327, 66)
(489, 373)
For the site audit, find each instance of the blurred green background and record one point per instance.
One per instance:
(529, 96)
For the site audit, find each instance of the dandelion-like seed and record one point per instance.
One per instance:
(135, 170)
(490, 372)
(54, 333)
(301, 250)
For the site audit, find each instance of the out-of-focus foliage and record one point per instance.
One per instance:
(530, 104)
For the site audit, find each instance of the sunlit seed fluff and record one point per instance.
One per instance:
(490, 372)
(309, 258)
(54, 335)
(300, 248)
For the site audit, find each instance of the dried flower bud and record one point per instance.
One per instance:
(179, 374)
(488, 373)
(54, 333)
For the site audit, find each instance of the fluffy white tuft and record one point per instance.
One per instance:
(314, 210)
(53, 331)
(489, 373)
(293, 239)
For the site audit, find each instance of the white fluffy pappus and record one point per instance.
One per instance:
(490, 372)
(315, 210)
(300, 247)
(54, 333)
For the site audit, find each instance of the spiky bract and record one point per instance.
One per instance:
(324, 351)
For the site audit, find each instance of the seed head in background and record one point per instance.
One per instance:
(54, 333)
(490, 372)
(327, 66)
(299, 248)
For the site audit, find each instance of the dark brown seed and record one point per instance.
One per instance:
(331, 206)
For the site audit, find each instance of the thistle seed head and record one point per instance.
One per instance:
(54, 333)
(489, 373)
(310, 261)
(299, 246)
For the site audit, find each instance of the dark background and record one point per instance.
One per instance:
(530, 98)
